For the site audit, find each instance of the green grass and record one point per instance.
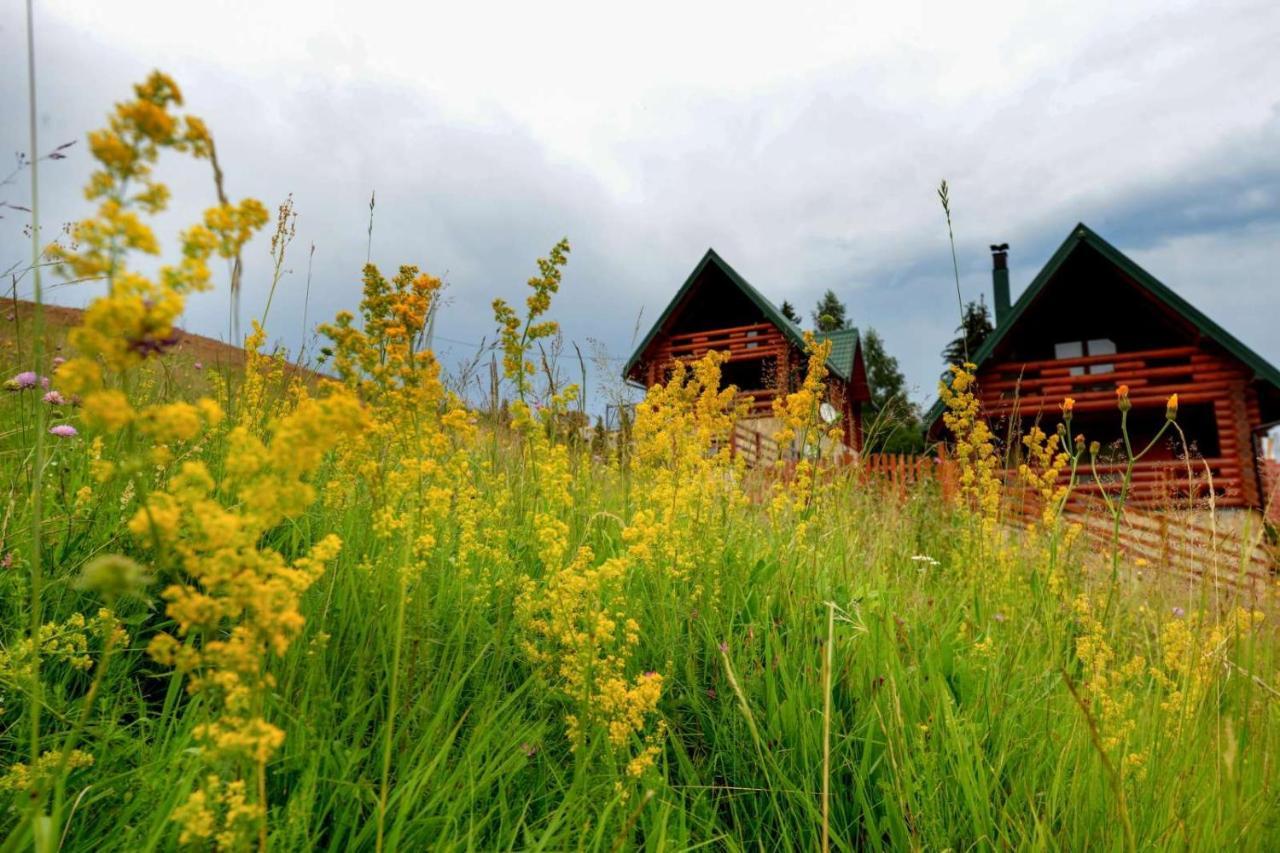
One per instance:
(934, 743)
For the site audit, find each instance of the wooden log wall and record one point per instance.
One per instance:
(1197, 376)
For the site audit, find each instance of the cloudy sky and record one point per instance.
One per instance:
(803, 141)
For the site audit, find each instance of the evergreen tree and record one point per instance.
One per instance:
(599, 439)
(894, 422)
(829, 314)
(789, 311)
(974, 328)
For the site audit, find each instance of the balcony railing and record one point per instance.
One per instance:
(759, 340)
(1152, 375)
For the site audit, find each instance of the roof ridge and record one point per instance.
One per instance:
(790, 330)
(1082, 234)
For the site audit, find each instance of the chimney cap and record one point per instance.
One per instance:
(999, 247)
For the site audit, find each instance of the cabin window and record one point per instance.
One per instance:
(754, 333)
(1078, 349)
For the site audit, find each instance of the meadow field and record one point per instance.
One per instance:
(250, 605)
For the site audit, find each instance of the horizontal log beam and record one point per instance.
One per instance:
(1150, 398)
(1086, 360)
(728, 330)
(1136, 376)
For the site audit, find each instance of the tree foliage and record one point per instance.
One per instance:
(973, 330)
(789, 311)
(830, 315)
(894, 422)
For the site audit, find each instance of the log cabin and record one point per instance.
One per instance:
(717, 309)
(1092, 320)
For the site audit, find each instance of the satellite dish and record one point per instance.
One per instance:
(828, 413)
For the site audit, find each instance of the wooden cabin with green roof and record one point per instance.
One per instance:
(717, 309)
(1093, 320)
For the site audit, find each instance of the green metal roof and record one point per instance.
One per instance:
(1083, 235)
(844, 343)
(841, 366)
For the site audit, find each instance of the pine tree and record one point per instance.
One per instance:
(829, 314)
(599, 439)
(974, 328)
(789, 311)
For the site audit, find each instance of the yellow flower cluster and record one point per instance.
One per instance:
(585, 644)
(974, 444)
(682, 461)
(263, 372)
(235, 603)
(578, 632)
(408, 453)
(136, 318)
(798, 410)
(220, 814)
(385, 358)
(1193, 654)
(516, 334)
(803, 431)
(27, 779)
(1047, 458)
(66, 642)
(1110, 686)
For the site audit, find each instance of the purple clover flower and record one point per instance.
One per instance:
(24, 380)
(63, 431)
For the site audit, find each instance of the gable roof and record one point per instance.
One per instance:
(841, 366)
(1083, 235)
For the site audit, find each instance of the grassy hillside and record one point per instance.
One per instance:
(188, 353)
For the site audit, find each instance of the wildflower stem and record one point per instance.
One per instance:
(306, 304)
(37, 349)
(262, 801)
(944, 195)
(392, 698)
(826, 729)
(1113, 775)
(73, 736)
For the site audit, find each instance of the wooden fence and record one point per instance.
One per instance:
(1167, 525)
(1231, 549)
(902, 472)
(758, 449)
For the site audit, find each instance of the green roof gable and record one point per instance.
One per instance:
(1082, 235)
(844, 344)
(840, 364)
